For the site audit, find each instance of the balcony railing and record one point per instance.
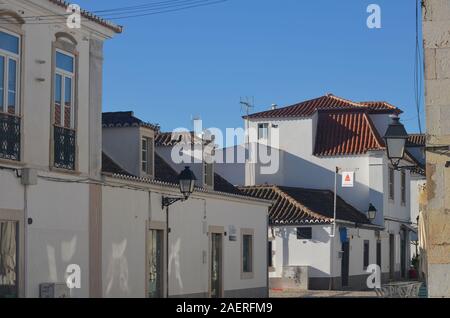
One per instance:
(9, 137)
(65, 147)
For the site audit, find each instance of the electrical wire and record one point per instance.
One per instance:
(124, 12)
(418, 72)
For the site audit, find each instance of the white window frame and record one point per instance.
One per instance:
(267, 129)
(391, 181)
(146, 139)
(65, 74)
(248, 275)
(403, 187)
(7, 57)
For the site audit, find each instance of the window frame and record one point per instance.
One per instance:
(391, 183)
(64, 75)
(403, 187)
(309, 229)
(150, 139)
(263, 126)
(248, 274)
(366, 254)
(7, 55)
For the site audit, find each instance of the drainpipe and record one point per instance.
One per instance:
(333, 235)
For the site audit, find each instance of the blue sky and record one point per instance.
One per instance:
(199, 62)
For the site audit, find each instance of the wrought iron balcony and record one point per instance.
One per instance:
(9, 137)
(64, 148)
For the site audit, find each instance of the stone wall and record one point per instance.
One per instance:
(436, 32)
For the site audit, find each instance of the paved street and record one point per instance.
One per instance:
(321, 294)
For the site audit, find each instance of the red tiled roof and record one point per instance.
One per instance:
(296, 206)
(346, 133)
(92, 17)
(416, 140)
(327, 102)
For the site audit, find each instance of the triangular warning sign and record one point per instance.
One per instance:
(347, 178)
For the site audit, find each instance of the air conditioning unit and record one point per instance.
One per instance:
(54, 290)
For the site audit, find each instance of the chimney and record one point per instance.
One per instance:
(274, 106)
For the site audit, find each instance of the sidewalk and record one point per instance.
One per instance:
(321, 294)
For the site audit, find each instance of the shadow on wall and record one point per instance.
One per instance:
(298, 172)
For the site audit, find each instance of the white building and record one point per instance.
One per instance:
(45, 212)
(313, 138)
(217, 238)
(416, 147)
(58, 209)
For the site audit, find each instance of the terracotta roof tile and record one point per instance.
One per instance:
(346, 133)
(297, 206)
(416, 140)
(327, 102)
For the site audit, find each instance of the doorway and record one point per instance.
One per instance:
(403, 254)
(155, 263)
(216, 265)
(345, 263)
(392, 256)
(9, 262)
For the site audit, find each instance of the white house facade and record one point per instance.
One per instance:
(308, 141)
(217, 238)
(50, 141)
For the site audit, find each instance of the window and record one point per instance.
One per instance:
(391, 183)
(64, 135)
(247, 253)
(403, 187)
(270, 254)
(263, 131)
(147, 156)
(366, 254)
(64, 90)
(9, 96)
(304, 233)
(379, 253)
(9, 73)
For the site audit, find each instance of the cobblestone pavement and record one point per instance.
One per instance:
(321, 294)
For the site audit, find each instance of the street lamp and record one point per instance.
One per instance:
(186, 181)
(372, 212)
(395, 139)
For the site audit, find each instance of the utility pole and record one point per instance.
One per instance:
(247, 105)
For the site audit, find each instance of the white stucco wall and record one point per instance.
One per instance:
(315, 253)
(125, 213)
(59, 234)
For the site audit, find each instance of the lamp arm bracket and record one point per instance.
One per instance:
(168, 201)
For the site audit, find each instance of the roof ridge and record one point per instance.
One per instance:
(345, 100)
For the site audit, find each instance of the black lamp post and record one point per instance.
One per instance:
(186, 181)
(395, 138)
(372, 212)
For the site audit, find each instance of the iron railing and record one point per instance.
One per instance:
(9, 137)
(64, 148)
